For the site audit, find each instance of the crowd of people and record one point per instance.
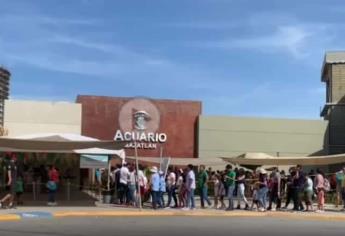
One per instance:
(228, 189)
(259, 190)
(14, 184)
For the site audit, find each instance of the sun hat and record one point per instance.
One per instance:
(154, 169)
(262, 171)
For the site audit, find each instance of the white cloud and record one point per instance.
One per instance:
(45, 20)
(207, 25)
(290, 39)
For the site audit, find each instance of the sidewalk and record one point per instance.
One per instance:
(111, 211)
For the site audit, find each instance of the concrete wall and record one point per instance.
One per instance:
(232, 136)
(29, 117)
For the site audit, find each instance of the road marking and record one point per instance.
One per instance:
(9, 217)
(35, 215)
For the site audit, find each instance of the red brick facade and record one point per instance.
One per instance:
(178, 119)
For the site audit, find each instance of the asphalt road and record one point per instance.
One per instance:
(166, 226)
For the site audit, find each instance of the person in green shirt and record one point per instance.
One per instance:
(230, 182)
(340, 176)
(203, 186)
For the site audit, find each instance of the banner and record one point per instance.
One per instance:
(93, 161)
(164, 165)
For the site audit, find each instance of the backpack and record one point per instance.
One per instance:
(339, 177)
(326, 185)
(19, 187)
(51, 185)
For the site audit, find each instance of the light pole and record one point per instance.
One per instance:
(137, 168)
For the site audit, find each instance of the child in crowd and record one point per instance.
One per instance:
(19, 190)
(221, 191)
(308, 193)
(255, 201)
(216, 183)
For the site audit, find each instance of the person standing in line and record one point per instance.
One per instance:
(289, 187)
(190, 187)
(52, 185)
(283, 181)
(343, 190)
(142, 185)
(263, 189)
(255, 201)
(171, 187)
(216, 184)
(180, 184)
(320, 189)
(299, 189)
(241, 180)
(132, 186)
(203, 186)
(308, 193)
(275, 190)
(11, 177)
(124, 176)
(162, 189)
(340, 175)
(155, 183)
(117, 183)
(221, 191)
(230, 182)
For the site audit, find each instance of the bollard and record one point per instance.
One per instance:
(68, 190)
(34, 191)
(38, 187)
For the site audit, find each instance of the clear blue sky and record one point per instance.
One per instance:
(239, 57)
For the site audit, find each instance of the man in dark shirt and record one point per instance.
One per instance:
(11, 170)
(298, 185)
(289, 187)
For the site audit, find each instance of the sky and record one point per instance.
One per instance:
(239, 57)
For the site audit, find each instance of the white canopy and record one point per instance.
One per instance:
(61, 143)
(101, 151)
(56, 137)
(214, 162)
(260, 159)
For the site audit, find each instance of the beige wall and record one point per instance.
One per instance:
(231, 136)
(30, 117)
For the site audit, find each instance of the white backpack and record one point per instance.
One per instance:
(326, 185)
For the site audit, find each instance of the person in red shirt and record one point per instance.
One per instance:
(52, 185)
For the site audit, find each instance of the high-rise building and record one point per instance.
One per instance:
(333, 74)
(4, 91)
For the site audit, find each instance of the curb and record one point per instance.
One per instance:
(145, 213)
(10, 217)
(153, 214)
(281, 215)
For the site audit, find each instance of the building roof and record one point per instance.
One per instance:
(5, 71)
(331, 58)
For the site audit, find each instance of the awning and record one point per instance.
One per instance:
(101, 151)
(182, 161)
(59, 143)
(93, 161)
(260, 159)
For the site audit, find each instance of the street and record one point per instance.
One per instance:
(170, 226)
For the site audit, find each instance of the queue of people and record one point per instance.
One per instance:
(258, 190)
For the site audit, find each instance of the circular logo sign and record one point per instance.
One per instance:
(139, 114)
